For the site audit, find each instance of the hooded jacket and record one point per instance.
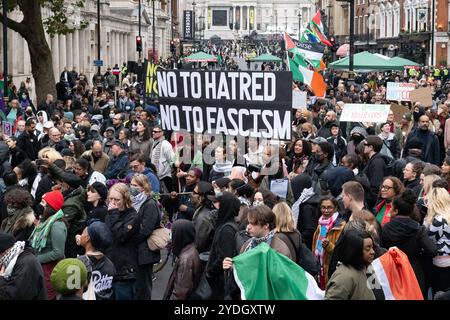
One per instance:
(410, 237)
(375, 170)
(186, 273)
(223, 244)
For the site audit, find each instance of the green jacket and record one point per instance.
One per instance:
(347, 283)
(55, 246)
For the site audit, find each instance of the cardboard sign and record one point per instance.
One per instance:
(355, 112)
(7, 128)
(399, 111)
(399, 91)
(298, 99)
(423, 95)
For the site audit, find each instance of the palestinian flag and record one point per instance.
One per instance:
(289, 43)
(396, 277)
(312, 52)
(319, 28)
(264, 274)
(309, 36)
(312, 78)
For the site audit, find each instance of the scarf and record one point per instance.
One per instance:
(40, 233)
(256, 241)
(224, 167)
(307, 193)
(139, 200)
(9, 260)
(325, 225)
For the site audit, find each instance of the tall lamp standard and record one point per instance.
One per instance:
(153, 32)
(5, 51)
(99, 77)
(352, 33)
(139, 28)
(299, 25)
(202, 29)
(193, 9)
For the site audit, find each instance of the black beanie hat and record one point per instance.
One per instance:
(6, 241)
(72, 180)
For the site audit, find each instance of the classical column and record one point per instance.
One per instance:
(117, 48)
(62, 52)
(234, 17)
(125, 43)
(69, 55)
(55, 55)
(121, 47)
(112, 46)
(76, 50)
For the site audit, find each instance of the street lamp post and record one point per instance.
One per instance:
(153, 32)
(432, 31)
(299, 25)
(285, 23)
(193, 9)
(368, 32)
(5, 51)
(98, 42)
(139, 28)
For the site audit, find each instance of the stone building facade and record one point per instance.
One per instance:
(118, 31)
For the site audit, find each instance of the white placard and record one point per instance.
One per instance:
(298, 99)
(354, 112)
(399, 91)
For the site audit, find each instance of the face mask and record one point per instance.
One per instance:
(10, 210)
(305, 134)
(317, 158)
(111, 115)
(258, 203)
(134, 191)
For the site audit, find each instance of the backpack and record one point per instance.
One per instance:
(305, 257)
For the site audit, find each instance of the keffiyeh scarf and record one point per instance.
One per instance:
(256, 241)
(9, 260)
(305, 196)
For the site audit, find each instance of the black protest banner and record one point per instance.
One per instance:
(255, 104)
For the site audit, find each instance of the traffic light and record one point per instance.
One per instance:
(172, 46)
(334, 45)
(138, 43)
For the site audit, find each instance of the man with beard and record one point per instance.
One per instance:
(184, 205)
(28, 141)
(204, 216)
(325, 130)
(99, 159)
(430, 142)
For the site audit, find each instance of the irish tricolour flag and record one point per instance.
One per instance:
(396, 276)
(264, 274)
(301, 72)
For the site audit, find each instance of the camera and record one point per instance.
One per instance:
(254, 168)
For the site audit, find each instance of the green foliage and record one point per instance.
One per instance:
(58, 22)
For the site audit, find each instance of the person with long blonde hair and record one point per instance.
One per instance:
(437, 221)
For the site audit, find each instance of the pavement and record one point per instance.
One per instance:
(241, 63)
(162, 277)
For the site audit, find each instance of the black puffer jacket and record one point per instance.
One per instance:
(123, 252)
(410, 237)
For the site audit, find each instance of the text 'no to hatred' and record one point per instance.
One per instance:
(256, 104)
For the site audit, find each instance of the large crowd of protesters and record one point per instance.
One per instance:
(87, 176)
